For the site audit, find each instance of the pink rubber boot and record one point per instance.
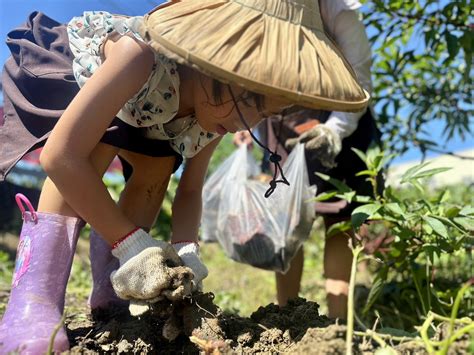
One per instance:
(42, 268)
(103, 263)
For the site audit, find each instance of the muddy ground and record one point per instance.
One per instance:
(199, 326)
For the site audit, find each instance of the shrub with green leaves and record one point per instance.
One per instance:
(422, 70)
(426, 232)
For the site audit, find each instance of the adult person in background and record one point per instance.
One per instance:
(328, 138)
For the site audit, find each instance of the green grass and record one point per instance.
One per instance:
(6, 271)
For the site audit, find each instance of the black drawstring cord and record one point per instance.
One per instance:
(275, 158)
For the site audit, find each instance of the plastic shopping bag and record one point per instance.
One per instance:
(239, 165)
(252, 229)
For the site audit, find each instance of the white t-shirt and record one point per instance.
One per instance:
(342, 23)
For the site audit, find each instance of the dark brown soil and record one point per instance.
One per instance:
(199, 326)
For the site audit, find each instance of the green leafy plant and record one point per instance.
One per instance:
(424, 229)
(422, 70)
(456, 327)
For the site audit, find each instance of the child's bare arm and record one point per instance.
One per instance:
(187, 205)
(66, 155)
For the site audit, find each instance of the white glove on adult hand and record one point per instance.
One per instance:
(149, 270)
(321, 143)
(189, 254)
(242, 137)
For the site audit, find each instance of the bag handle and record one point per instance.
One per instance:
(22, 199)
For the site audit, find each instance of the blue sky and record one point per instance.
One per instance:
(15, 12)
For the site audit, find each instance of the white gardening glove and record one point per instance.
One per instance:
(242, 137)
(149, 270)
(189, 254)
(321, 143)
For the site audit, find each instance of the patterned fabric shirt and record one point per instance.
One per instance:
(157, 102)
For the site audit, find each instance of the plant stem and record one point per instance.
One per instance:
(400, 315)
(374, 187)
(428, 278)
(464, 320)
(377, 338)
(350, 299)
(371, 334)
(460, 332)
(359, 322)
(452, 336)
(424, 333)
(452, 320)
(56, 329)
(418, 290)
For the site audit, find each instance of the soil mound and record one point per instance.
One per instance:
(197, 325)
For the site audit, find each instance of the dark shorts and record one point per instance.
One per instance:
(348, 163)
(38, 85)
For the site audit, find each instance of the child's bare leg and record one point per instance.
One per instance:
(52, 201)
(337, 270)
(143, 195)
(288, 285)
(140, 202)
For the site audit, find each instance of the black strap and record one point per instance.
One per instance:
(275, 158)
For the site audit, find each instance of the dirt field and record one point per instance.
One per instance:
(199, 326)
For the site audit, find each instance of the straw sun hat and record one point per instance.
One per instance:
(271, 47)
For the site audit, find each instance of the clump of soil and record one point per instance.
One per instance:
(269, 329)
(198, 325)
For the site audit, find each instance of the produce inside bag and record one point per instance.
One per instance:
(262, 232)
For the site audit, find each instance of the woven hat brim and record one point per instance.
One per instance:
(233, 43)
